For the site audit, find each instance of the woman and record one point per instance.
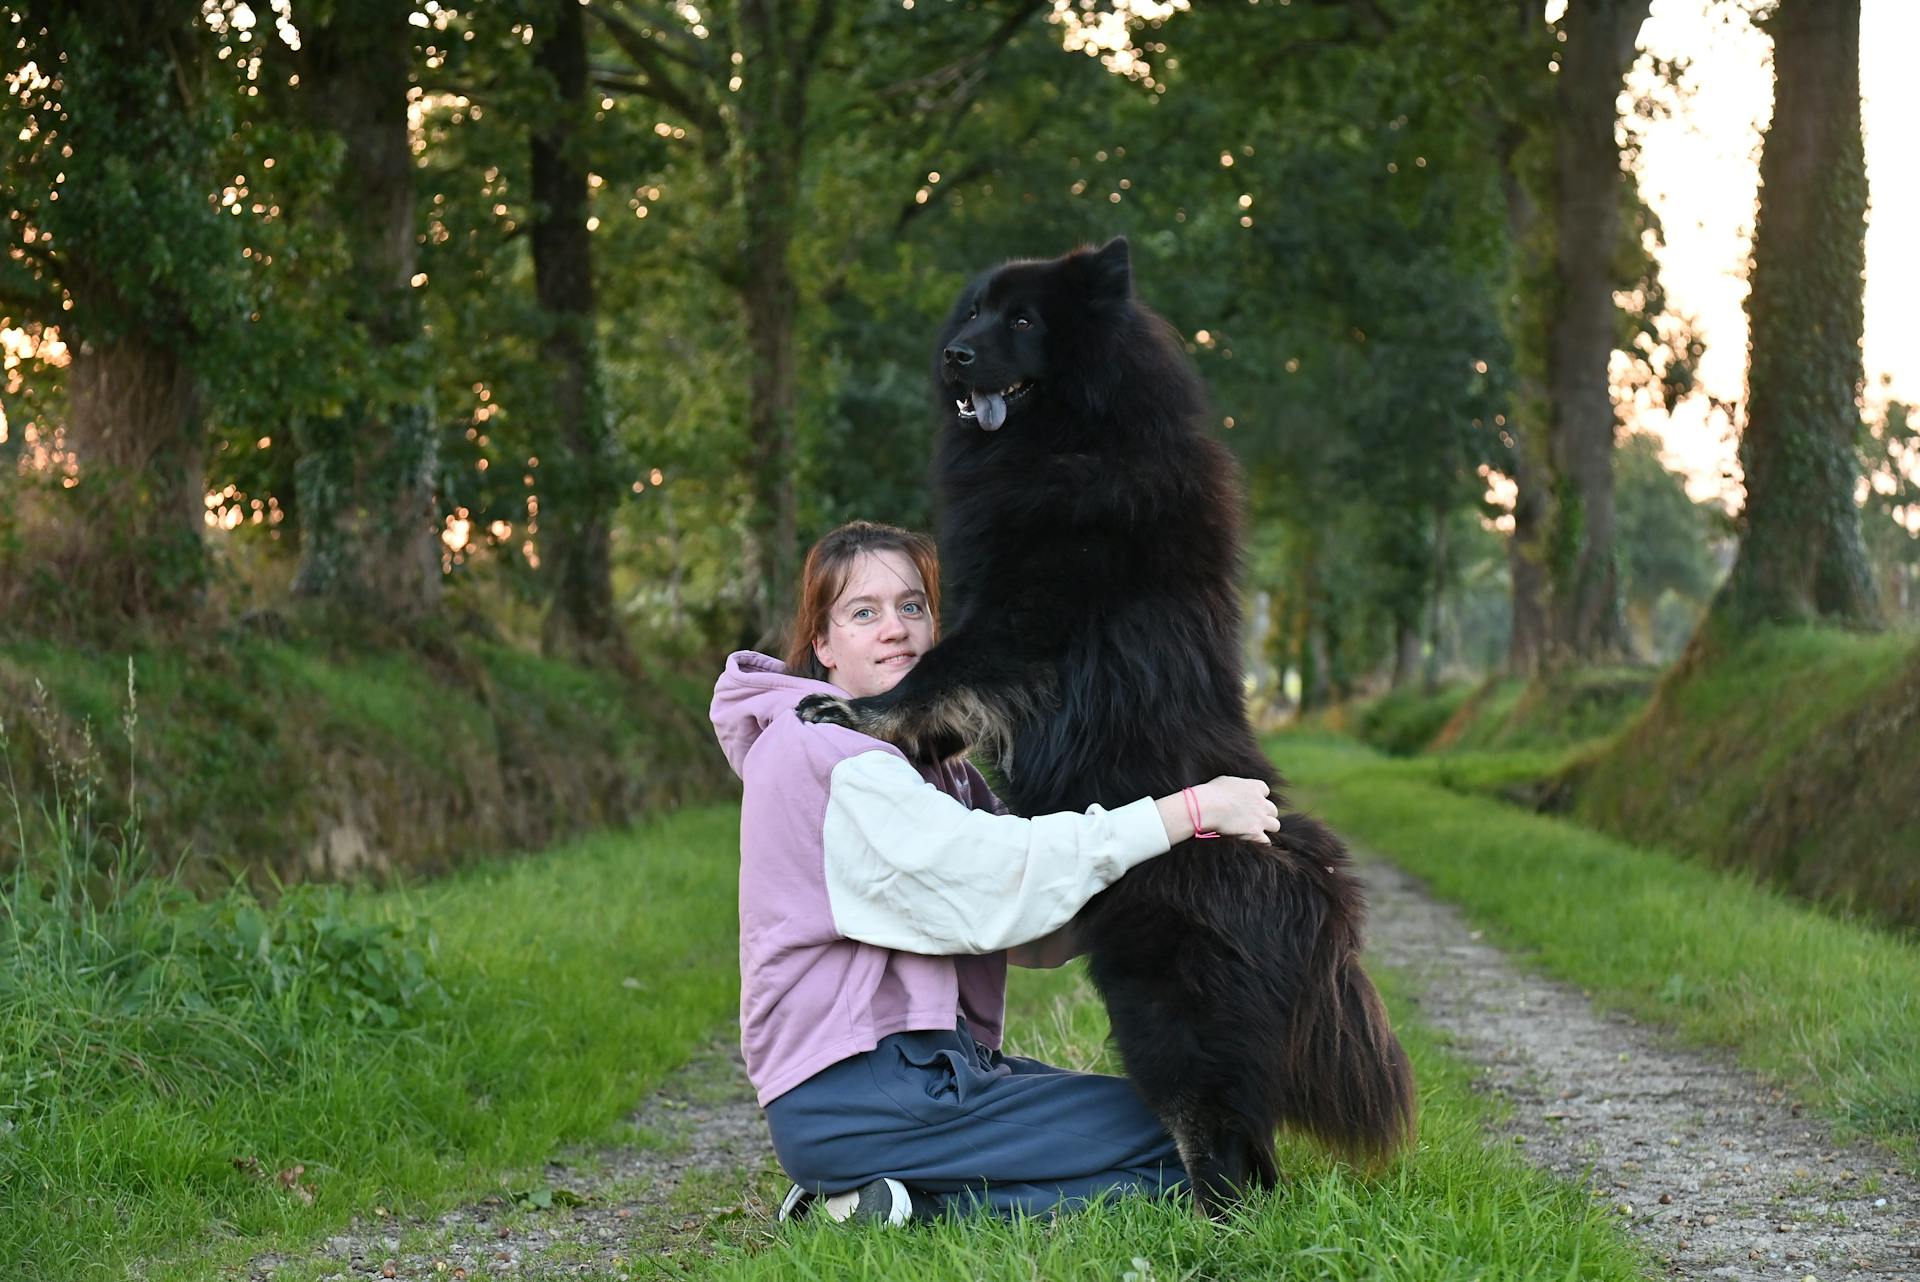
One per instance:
(879, 905)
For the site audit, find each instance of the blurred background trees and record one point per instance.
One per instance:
(577, 321)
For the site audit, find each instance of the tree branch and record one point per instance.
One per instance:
(959, 68)
(655, 80)
(824, 13)
(669, 25)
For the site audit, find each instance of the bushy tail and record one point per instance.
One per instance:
(1347, 1082)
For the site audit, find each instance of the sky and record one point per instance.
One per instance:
(1699, 169)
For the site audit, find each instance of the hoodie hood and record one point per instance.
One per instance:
(753, 691)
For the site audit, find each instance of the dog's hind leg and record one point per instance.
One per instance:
(1221, 1165)
(1266, 1165)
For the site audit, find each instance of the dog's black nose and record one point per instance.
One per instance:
(959, 354)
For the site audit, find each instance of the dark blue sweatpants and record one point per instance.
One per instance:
(971, 1127)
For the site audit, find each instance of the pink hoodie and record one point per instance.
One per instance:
(877, 898)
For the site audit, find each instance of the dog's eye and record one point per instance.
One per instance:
(973, 311)
(1021, 322)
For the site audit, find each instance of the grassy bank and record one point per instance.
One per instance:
(1827, 1007)
(201, 1080)
(1507, 714)
(1455, 1209)
(246, 754)
(1789, 754)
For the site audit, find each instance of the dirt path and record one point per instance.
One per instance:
(1722, 1175)
(704, 1172)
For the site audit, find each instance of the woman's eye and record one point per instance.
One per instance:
(1021, 322)
(862, 614)
(912, 609)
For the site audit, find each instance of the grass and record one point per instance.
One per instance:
(1506, 713)
(1789, 752)
(191, 1084)
(1458, 1208)
(253, 752)
(167, 1063)
(1828, 1007)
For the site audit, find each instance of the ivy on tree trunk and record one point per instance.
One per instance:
(1801, 555)
(579, 475)
(1586, 618)
(368, 518)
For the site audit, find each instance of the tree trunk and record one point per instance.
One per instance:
(137, 94)
(1406, 653)
(1436, 604)
(1532, 503)
(134, 424)
(778, 58)
(579, 483)
(369, 526)
(1527, 552)
(1587, 622)
(1801, 555)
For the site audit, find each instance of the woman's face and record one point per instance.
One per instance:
(878, 627)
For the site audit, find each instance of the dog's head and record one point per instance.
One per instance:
(1017, 330)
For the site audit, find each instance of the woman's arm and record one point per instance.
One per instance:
(909, 867)
(1227, 805)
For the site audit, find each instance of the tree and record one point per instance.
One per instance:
(741, 75)
(1665, 539)
(1801, 556)
(1599, 48)
(365, 477)
(581, 483)
(111, 140)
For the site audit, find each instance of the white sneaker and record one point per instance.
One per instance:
(795, 1204)
(883, 1201)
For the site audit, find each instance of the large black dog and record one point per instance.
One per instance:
(1090, 533)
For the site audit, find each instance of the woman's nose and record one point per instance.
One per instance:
(892, 625)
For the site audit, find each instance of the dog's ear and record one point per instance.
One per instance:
(1110, 271)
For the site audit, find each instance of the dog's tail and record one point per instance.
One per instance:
(1349, 1083)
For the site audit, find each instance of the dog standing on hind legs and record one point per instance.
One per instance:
(1090, 530)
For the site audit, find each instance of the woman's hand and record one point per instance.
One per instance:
(1229, 805)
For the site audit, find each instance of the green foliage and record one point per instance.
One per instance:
(1824, 1006)
(1892, 511)
(1666, 544)
(1404, 722)
(105, 155)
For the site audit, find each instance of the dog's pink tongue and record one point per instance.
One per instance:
(989, 410)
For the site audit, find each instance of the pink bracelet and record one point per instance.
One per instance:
(1200, 830)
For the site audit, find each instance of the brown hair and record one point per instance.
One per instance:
(830, 563)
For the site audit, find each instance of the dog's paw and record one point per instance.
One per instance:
(825, 709)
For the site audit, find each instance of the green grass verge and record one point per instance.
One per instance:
(402, 1047)
(1506, 714)
(333, 758)
(1790, 753)
(1457, 1208)
(1828, 1007)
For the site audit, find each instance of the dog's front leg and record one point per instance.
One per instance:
(962, 694)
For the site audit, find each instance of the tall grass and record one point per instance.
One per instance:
(181, 1076)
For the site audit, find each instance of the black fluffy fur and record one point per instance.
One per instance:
(1093, 548)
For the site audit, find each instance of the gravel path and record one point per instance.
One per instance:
(704, 1172)
(1720, 1173)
